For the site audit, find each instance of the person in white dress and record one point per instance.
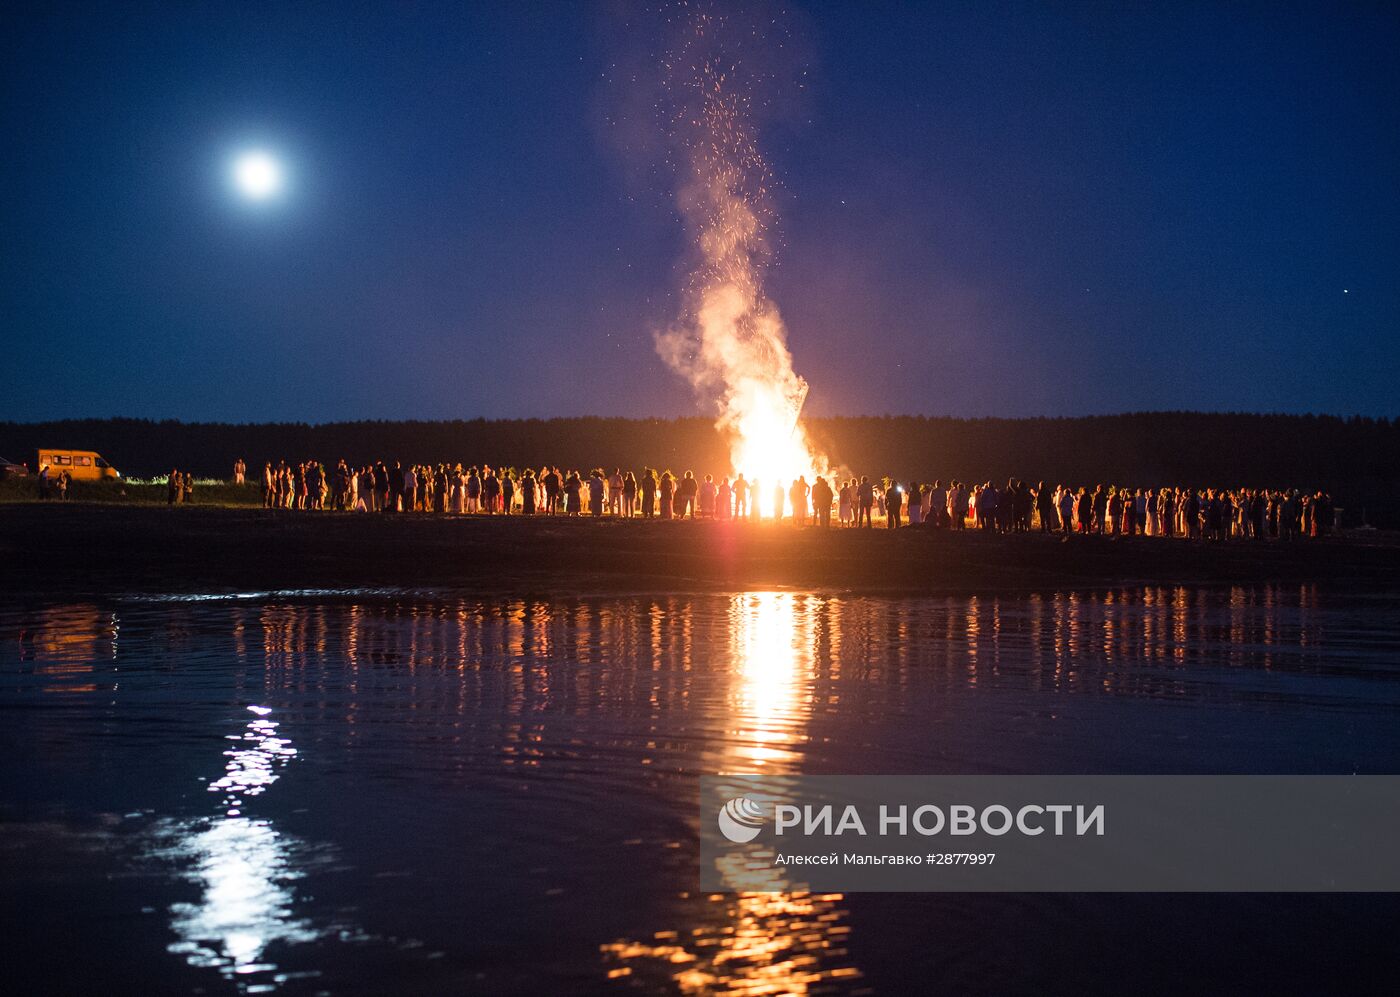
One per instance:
(709, 495)
(615, 484)
(1066, 507)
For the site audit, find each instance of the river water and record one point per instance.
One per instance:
(372, 792)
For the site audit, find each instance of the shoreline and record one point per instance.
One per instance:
(68, 549)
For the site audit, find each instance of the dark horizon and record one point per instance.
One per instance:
(984, 212)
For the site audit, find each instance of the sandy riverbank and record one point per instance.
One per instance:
(60, 549)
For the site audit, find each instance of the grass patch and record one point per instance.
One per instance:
(133, 492)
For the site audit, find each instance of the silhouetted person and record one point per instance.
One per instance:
(395, 487)
(821, 501)
(686, 495)
(667, 495)
(1045, 508)
(553, 488)
(629, 495)
(573, 498)
(507, 491)
(649, 486)
(865, 501)
(741, 496)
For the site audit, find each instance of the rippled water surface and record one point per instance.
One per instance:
(377, 792)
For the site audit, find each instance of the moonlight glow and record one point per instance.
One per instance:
(257, 175)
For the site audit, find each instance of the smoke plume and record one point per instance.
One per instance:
(729, 341)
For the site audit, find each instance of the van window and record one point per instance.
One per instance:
(102, 463)
(59, 458)
(83, 461)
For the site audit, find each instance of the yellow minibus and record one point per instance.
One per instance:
(81, 465)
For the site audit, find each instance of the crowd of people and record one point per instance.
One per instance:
(1208, 514)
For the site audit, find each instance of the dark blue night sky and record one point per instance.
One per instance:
(986, 210)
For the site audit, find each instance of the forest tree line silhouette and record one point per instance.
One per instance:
(1357, 459)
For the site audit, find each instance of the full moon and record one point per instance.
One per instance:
(257, 175)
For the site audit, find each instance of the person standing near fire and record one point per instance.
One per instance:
(649, 486)
(410, 489)
(687, 493)
(494, 482)
(894, 502)
(865, 500)
(615, 485)
(629, 495)
(741, 496)
(553, 488)
(667, 495)
(508, 489)
(1045, 508)
(797, 494)
(709, 495)
(821, 501)
(595, 492)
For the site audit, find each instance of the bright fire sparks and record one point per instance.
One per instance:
(730, 342)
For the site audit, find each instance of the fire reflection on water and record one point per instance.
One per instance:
(69, 645)
(772, 652)
(755, 943)
(766, 649)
